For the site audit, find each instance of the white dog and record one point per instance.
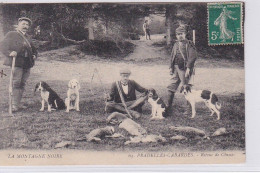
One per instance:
(72, 100)
(158, 106)
(195, 96)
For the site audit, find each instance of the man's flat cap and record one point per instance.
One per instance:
(125, 71)
(26, 19)
(181, 29)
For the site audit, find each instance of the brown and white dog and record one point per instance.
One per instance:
(72, 100)
(49, 96)
(158, 106)
(195, 96)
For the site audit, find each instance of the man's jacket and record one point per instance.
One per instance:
(14, 41)
(132, 87)
(189, 59)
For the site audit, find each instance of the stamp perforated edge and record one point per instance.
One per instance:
(241, 24)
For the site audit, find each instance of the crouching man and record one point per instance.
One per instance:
(183, 57)
(126, 89)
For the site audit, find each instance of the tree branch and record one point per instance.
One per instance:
(70, 40)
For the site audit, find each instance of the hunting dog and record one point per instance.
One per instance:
(195, 96)
(158, 106)
(72, 100)
(49, 96)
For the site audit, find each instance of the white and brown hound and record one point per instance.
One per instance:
(158, 106)
(49, 96)
(195, 96)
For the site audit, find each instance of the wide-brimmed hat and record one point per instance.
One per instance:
(26, 19)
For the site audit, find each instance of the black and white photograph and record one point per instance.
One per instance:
(122, 83)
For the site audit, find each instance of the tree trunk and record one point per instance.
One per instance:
(168, 25)
(90, 29)
(1, 23)
(106, 27)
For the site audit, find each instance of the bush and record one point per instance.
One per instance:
(107, 48)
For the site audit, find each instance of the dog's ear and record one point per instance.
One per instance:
(69, 84)
(36, 86)
(182, 88)
(45, 85)
(78, 85)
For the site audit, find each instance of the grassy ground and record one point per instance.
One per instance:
(31, 129)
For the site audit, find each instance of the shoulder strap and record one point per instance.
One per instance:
(122, 99)
(182, 52)
(25, 39)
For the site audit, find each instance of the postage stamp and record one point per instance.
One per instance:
(225, 23)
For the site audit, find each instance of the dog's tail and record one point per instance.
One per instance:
(218, 105)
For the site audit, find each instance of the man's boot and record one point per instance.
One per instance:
(21, 105)
(187, 108)
(169, 106)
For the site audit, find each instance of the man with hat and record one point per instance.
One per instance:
(19, 44)
(127, 89)
(183, 57)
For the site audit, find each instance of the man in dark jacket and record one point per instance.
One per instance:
(128, 89)
(183, 57)
(19, 44)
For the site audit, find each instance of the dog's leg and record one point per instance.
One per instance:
(209, 106)
(153, 112)
(217, 112)
(77, 102)
(212, 113)
(213, 108)
(67, 103)
(193, 109)
(161, 110)
(42, 108)
(49, 107)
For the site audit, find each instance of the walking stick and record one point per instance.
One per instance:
(99, 78)
(11, 87)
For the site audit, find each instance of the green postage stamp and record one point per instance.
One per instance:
(225, 23)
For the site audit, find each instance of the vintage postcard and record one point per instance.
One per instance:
(122, 83)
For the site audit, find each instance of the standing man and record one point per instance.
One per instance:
(183, 57)
(128, 89)
(146, 29)
(19, 44)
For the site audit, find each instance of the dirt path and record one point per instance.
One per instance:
(144, 49)
(219, 80)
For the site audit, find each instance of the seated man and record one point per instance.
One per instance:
(128, 89)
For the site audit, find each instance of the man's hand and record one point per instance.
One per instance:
(187, 73)
(13, 53)
(34, 57)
